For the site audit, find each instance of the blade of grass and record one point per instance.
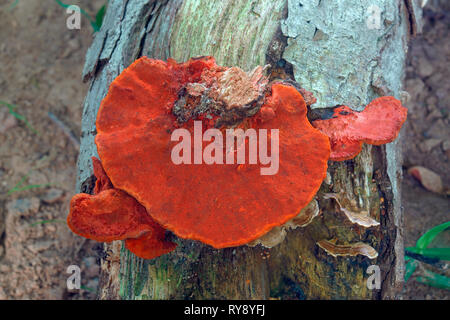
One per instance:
(84, 13)
(22, 118)
(13, 5)
(21, 182)
(410, 266)
(437, 253)
(435, 262)
(428, 236)
(87, 288)
(18, 187)
(30, 186)
(65, 6)
(47, 221)
(18, 116)
(99, 16)
(8, 105)
(421, 252)
(435, 280)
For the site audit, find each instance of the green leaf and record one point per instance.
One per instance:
(423, 253)
(410, 267)
(99, 16)
(94, 26)
(97, 23)
(435, 280)
(439, 253)
(62, 4)
(87, 288)
(428, 236)
(84, 13)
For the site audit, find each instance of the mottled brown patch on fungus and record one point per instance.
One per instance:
(236, 88)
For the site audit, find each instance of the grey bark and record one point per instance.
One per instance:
(327, 47)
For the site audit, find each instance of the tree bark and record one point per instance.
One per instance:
(328, 47)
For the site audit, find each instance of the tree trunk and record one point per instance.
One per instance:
(331, 49)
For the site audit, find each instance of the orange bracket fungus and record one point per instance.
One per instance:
(377, 124)
(111, 214)
(223, 203)
(254, 162)
(102, 181)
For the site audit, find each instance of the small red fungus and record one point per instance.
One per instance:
(111, 214)
(377, 124)
(151, 244)
(107, 216)
(102, 183)
(219, 204)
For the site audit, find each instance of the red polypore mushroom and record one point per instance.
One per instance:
(221, 204)
(112, 214)
(151, 244)
(102, 183)
(107, 216)
(377, 124)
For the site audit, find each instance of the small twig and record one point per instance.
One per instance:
(65, 129)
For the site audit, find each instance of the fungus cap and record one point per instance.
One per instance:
(107, 216)
(111, 214)
(102, 181)
(219, 204)
(379, 123)
(151, 244)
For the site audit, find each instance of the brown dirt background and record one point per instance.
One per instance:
(40, 72)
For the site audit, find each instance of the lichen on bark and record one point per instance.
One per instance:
(339, 53)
